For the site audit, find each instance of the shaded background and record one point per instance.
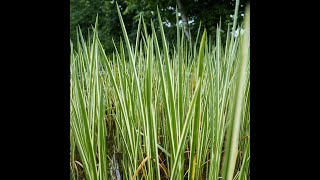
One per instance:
(191, 13)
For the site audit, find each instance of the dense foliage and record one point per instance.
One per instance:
(208, 12)
(145, 113)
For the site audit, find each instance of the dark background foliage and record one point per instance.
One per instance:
(209, 12)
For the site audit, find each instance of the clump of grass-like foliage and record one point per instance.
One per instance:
(145, 113)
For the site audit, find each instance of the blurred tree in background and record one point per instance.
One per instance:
(191, 13)
(83, 14)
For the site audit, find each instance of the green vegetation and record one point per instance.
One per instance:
(156, 110)
(191, 13)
